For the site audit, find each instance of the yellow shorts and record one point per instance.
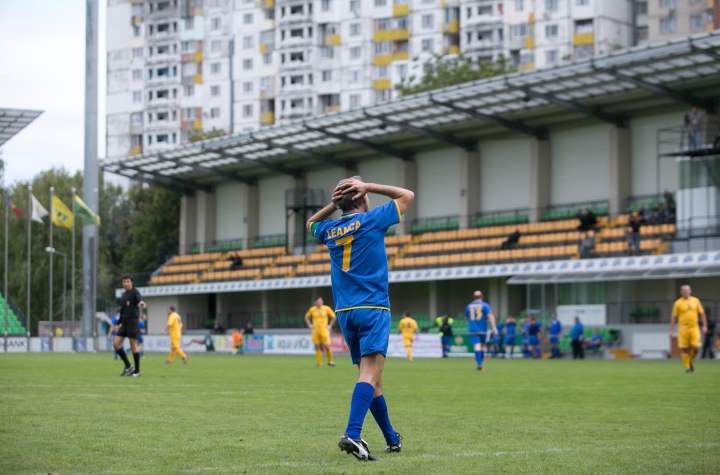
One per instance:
(321, 337)
(688, 337)
(408, 341)
(174, 342)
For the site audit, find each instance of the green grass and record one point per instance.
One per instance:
(65, 414)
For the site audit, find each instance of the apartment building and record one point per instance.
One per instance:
(175, 66)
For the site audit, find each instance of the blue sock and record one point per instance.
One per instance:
(482, 356)
(379, 410)
(477, 358)
(359, 404)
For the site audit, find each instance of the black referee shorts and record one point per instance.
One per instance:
(129, 328)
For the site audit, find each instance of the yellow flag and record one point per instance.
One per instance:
(61, 215)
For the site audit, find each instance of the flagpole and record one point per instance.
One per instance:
(5, 317)
(29, 274)
(50, 275)
(72, 272)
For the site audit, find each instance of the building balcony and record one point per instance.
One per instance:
(452, 49)
(267, 4)
(451, 27)
(266, 25)
(332, 40)
(530, 42)
(401, 10)
(136, 150)
(385, 59)
(391, 35)
(267, 118)
(192, 124)
(330, 109)
(381, 84)
(163, 36)
(583, 39)
(136, 20)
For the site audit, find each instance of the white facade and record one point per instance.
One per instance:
(180, 65)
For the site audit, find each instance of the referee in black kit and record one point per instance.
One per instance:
(129, 326)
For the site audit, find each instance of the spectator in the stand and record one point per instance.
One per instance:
(669, 198)
(587, 220)
(635, 222)
(446, 335)
(249, 329)
(594, 342)
(661, 217)
(586, 245)
(630, 240)
(694, 121)
(707, 349)
(671, 213)
(576, 337)
(236, 261)
(217, 329)
(646, 214)
(511, 240)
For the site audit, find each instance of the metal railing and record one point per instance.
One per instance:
(652, 201)
(650, 311)
(200, 320)
(569, 210)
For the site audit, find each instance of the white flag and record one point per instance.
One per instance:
(38, 210)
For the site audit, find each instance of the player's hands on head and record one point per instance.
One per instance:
(347, 186)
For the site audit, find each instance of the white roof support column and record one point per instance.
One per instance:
(620, 168)
(407, 178)
(188, 223)
(469, 188)
(250, 214)
(540, 178)
(206, 207)
(432, 300)
(296, 223)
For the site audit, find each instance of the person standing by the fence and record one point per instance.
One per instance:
(173, 327)
(576, 336)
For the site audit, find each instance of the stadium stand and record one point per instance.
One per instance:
(15, 327)
(545, 240)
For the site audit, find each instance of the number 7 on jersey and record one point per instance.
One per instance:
(347, 249)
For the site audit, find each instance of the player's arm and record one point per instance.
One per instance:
(333, 317)
(321, 215)
(703, 319)
(110, 330)
(673, 319)
(402, 197)
(491, 319)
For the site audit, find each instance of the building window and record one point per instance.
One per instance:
(427, 44)
(327, 75)
(519, 5)
(149, 139)
(267, 58)
(642, 33)
(215, 112)
(215, 68)
(215, 3)
(355, 52)
(215, 45)
(667, 4)
(264, 83)
(326, 5)
(137, 52)
(137, 96)
(551, 56)
(247, 110)
(248, 86)
(519, 31)
(382, 72)
(189, 90)
(247, 42)
(668, 25)
(248, 18)
(382, 96)
(354, 76)
(427, 21)
(188, 46)
(137, 74)
(401, 70)
(583, 51)
(355, 29)
(551, 5)
(189, 23)
(428, 1)
(189, 69)
(582, 2)
(188, 113)
(137, 31)
(380, 3)
(642, 8)
(551, 31)
(162, 138)
(136, 118)
(354, 100)
(216, 23)
(214, 90)
(696, 22)
(247, 64)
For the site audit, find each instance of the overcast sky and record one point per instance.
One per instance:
(42, 66)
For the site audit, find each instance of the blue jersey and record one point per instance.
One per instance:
(555, 327)
(476, 312)
(359, 268)
(577, 331)
(510, 329)
(114, 321)
(143, 325)
(499, 327)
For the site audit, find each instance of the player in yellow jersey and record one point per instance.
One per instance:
(409, 329)
(321, 329)
(174, 324)
(686, 311)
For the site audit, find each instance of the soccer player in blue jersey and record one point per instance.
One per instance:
(359, 273)
(143, 329)
(509, 335)
(555, 330)
(498, 340)
(478, 314)
(525, 336)
(112, 330)
(534, 334)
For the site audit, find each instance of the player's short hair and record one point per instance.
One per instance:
(477, 294)
(118, 310)
(317, 298)
(172, 309)
(406, 313)
(127, 276)
(346, 202)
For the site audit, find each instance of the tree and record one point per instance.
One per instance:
(443, 71)
(200, 135)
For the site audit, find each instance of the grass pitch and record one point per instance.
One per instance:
(64, 414)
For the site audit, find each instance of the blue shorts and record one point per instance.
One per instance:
(446, 340)
(533, 340)
(554, 339)
(476, 338)
(525, 341)
(497, 339)
(510, 340)
(366, 331)
(141, 340)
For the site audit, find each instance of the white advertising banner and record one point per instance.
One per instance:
(17, 344)
(425, 346)
(189, 343)
(590, 315)
(288, 345)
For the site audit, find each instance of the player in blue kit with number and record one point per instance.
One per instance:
(478, 314)
(555, 330)
(359, 273)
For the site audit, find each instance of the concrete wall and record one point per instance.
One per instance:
(580, 166)
(644, 150)
(157, 311)
(229, 218)
(379, 171)
(437, 177)
(272, 204)
(504, 174)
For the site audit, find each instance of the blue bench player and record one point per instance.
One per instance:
(359, 273)
(534, 335)
(498, 340)
(478, 314)
(509, 335)
(555, 330)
